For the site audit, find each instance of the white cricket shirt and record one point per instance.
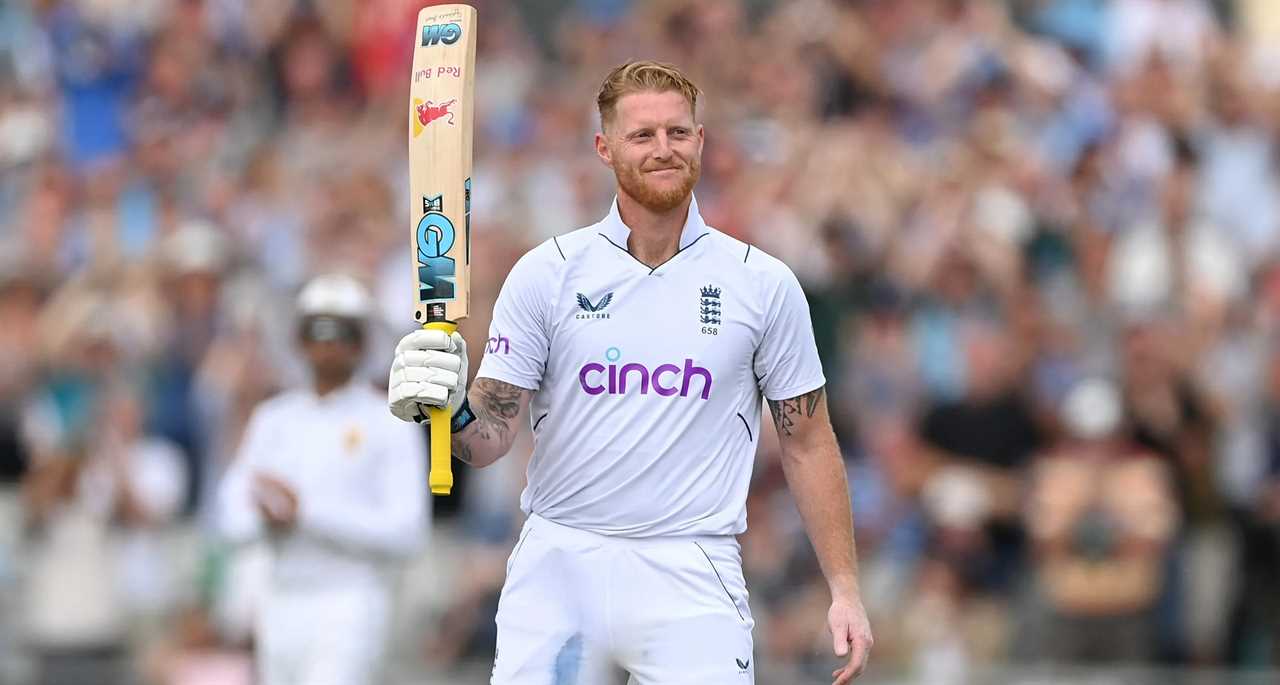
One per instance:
(647, 381)
(360, 477)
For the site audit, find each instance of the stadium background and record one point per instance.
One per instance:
(1005, 214)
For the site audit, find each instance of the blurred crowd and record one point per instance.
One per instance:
(1040, 238)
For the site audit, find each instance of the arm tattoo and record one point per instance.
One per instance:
(462, 451)
(787, 412)
(499, 399)
(495, 404)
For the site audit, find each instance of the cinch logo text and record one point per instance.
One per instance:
(665, 380)
(500, 344)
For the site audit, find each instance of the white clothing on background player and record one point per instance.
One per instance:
(336, 488)
(643, 345)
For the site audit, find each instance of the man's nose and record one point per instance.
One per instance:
(663, 148)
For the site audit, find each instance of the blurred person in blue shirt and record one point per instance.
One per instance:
(97, 65)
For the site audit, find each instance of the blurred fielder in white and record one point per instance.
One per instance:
(337, 490)
(642, 346)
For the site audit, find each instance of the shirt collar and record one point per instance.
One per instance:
(617, 232)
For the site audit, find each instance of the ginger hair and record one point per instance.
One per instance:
(639, 76)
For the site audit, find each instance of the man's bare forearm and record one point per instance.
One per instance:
(815, 473)
(497, 406)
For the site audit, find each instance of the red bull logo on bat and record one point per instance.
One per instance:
(438, 73)
(426, 112)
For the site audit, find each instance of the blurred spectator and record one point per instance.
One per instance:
(98, 568)
(1236, 176)
(1181, 32)
(98, 63)
(1176, 256)
(193, 261)
(1258, 602)
(1172, 416)
(1101, 516)
(22, 293)
(979, 447)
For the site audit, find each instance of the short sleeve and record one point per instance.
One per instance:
(517, 348)
(786, 362)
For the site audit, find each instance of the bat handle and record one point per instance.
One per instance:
(441, 477)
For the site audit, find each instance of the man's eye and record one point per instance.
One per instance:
(641, 135)
(679, 131)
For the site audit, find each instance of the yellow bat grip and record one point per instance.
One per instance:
(441, 476)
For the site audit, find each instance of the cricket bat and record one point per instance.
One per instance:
(441, 92)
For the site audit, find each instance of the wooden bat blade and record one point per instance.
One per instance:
(441, 96)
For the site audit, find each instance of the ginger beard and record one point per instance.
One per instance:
(658, 195)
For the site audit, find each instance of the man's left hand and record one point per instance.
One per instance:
(851, 635)
(277, 501)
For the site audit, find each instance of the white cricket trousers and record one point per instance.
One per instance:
(322, 636)
(580, 608)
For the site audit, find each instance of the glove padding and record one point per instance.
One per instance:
(429, 369)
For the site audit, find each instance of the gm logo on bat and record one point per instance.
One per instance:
(434, 237)
(434, 34)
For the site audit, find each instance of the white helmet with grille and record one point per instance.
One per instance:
(335, 295)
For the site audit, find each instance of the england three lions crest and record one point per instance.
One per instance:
(709, 309)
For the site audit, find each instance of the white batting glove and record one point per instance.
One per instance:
(429, 370)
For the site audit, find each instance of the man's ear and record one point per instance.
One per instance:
(602, 150)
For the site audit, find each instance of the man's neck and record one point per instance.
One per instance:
(655, 237)
(325, 384)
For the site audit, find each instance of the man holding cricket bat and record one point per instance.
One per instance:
(641, 348)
